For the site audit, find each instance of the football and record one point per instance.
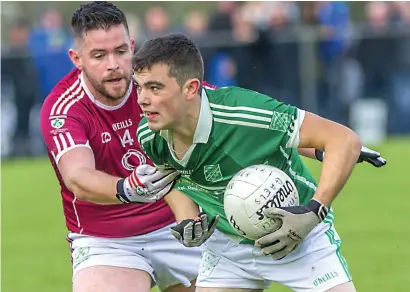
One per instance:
(251, 191)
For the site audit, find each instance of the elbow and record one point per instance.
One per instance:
(72, 184)
(354, 144)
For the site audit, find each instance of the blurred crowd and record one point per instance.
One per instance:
(283, 49)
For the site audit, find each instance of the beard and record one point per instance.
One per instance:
(102, 87)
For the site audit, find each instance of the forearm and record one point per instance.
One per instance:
(94, 186)
(342, 152)
(181, 205)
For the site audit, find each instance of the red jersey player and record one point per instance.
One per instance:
(89, 122)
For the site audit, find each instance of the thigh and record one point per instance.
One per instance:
(111, 279)
(200, 289)
(345, 287)
(317, 265)
(227, 265)
(176, 266)
(116, 254)
(181, 288)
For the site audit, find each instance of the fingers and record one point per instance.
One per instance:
(275, 213)
(162, 181)
(280, 254)
(145, 169)
(212, 225)
(274, 247)
(176, 234)
(199, 231)
(270, 239)
(367, 152)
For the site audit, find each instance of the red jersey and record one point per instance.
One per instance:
(71, 117)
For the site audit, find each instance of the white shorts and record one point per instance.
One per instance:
(158, 253)
(315, 266)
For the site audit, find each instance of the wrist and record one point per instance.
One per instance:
(121, 192)
(319, 154)
(318, 208)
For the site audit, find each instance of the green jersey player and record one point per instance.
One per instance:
(209, 135)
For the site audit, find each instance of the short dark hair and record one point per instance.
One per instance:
(175, 50)
(97, 15)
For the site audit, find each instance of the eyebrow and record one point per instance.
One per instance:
(153, 82)
(124, 45)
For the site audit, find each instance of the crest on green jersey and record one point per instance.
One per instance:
(212, 173)
(280, 122)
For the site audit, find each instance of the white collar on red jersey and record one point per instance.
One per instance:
(101, 105)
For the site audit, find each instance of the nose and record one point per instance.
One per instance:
(113, 63)
(143, 98)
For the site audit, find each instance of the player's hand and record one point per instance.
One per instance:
(194, 232)
(297, 223)
(146, 184)
(366, 154)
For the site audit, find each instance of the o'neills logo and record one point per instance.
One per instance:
(278, 199)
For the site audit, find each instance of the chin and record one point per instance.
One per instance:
(154, 126)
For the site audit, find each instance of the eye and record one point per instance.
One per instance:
(98, 56)
(154, 88)
(138, 88)
(122, 52)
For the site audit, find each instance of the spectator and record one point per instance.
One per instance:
(375, 44)
(401, 76)
(221, 19)
(334, 20)
(134, 26)
(285, 54)
(195, 24)
(49, 43)
(18, 69)
(157, 22)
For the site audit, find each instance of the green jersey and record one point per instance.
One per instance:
(237, 128)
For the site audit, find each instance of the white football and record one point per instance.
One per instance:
(252, 190)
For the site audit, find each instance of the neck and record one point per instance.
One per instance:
(185, 130)
(100, 97)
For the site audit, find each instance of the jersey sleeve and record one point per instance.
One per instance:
(149, 143)
(62, 133)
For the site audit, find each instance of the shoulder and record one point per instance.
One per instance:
(64, 95)
(240, 97)
(145, 135)
(150, 141)
(249, 109)
(242, 105)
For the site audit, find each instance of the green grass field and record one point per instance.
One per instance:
(372, 217)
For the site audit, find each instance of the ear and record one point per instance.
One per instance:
(75, 58)
(191, 88)
(132, 45)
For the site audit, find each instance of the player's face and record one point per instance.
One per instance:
(105, 58)
(160, 97)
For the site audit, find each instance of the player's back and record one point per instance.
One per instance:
(70, 118)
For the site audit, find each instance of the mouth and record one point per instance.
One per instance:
(114, 80)
(150, 115)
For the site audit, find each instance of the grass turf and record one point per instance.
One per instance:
(371, 218)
